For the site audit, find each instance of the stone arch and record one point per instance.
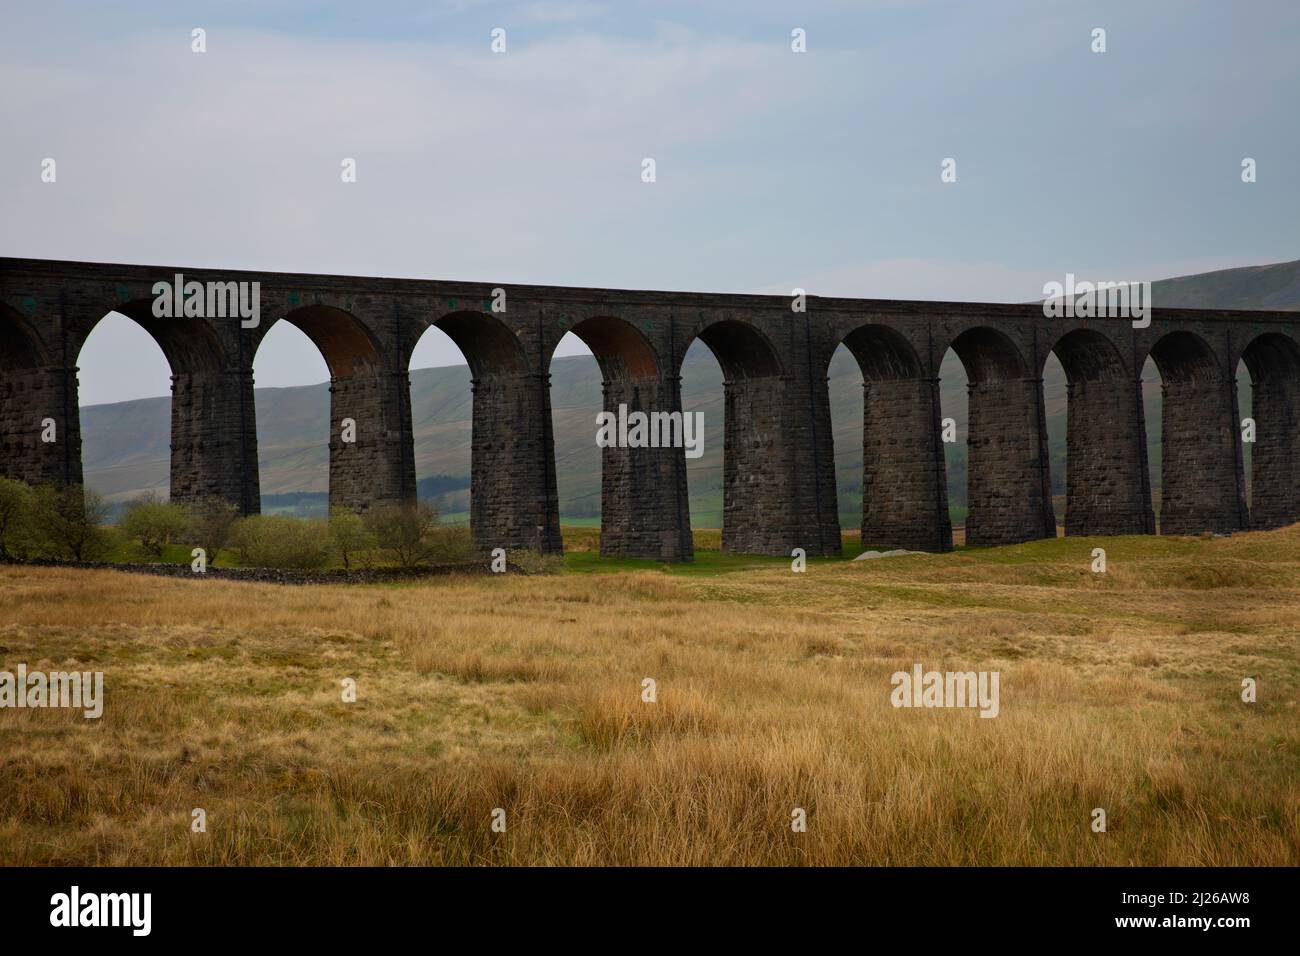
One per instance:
(1273, 361)
(621, 349)
(190, 344)
(989, 355)
(741, 349)
(1008, 484)
(345, 343)
(365, 454)
(904, 494)
(491, 348)
(1184, 357)
(205, 458)
(1089, 356)
(1107, 482)
(757, 480)
(1201, 477)
(511, 440)
(643, 494)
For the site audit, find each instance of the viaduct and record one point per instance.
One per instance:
(779, 481)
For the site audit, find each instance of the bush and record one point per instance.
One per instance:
(17, 504)
(68, 523)
(212, 524)
(404, 533)
(350, 539)
(277, 541)
(450, 544)
(154, 524)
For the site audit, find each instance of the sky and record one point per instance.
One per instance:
(774, 169)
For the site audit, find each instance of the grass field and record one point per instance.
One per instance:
(1118, 691)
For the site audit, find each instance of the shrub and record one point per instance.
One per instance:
(278, 541)
(350, 539)
(68, 523)
(450, 544)
(154, 524)
(212, 524)
(17, 503)
(405, 533)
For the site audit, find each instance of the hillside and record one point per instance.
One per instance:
(126, 444)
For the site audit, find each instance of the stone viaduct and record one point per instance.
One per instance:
(779, 477)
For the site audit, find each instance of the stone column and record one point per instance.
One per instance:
(373, 468)
(213, 428)
(1275, 456)
(513, 499)
(644, 508)
(28, 397)
(904, 482)
(1009, 491)
(1107, 482)
(1202, 484)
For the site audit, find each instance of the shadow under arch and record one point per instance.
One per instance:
(904, 491)
(1107, 481)
(20, 348)
(1273, 363)
(1008, 484)
(1202, 483)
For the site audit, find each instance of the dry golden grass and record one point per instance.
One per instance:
(1118, 691)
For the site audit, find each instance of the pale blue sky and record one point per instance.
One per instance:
(775, 169)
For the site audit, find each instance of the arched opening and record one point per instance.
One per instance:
(1271, 421)
(755, 504)
(904, 501)
(482, 452)
(25, 387)
(702, 394)
(576, 399)
(442, 404)
(1097, 438)
(148, 391)
(1008, 496)
(364, 464)
(292, 409)
(1200, 481)
(635, 483)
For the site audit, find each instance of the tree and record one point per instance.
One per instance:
(154, 524)
(349, 536)
(69, 521)
(404, 531)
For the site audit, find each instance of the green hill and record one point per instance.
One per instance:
(125, 445)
